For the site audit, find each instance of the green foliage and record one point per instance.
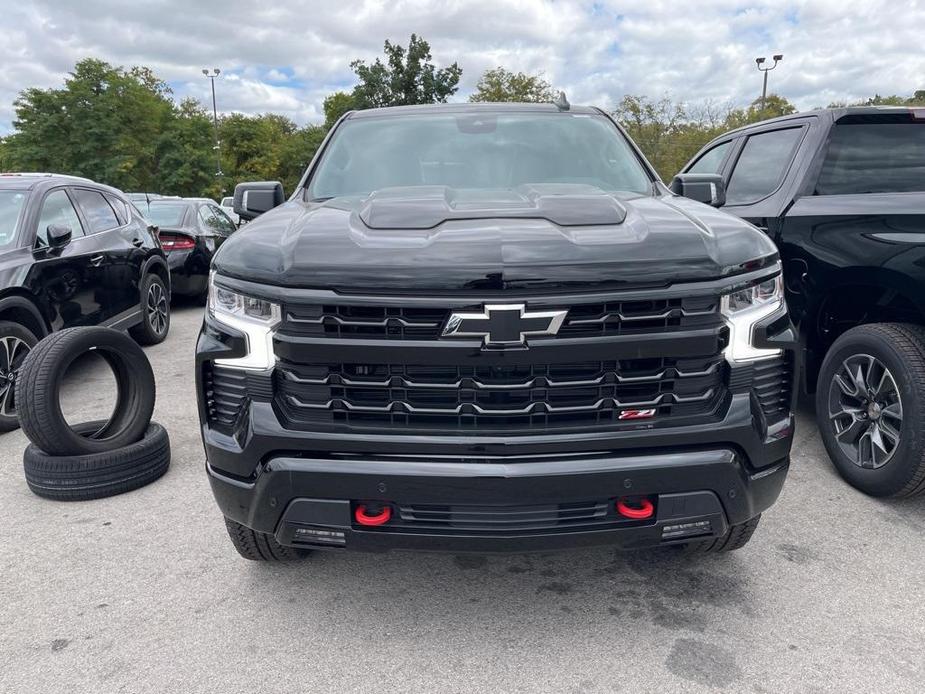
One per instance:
(499, 84)
(407, 77)
(122, 127)
(335, 105)
(671, 132)
(104, 124)
(185, 159)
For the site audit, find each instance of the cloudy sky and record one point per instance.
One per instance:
(286, 56)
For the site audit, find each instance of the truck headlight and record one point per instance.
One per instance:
(743, 309)
(256, 318)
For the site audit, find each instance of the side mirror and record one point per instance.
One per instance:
(58, 235)
(253, 199)
(705, 188)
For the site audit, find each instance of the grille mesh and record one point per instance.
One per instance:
(487, 520)
(583, 320)
(511, 397)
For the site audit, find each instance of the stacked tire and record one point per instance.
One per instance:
(93, 459)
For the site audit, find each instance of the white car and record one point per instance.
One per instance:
(228, 208)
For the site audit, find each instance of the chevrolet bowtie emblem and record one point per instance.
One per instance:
(504, 325)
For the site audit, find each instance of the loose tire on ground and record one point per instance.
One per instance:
(257, 546)
(98, 475)
(735, 538)
(38, 388)
(895, 403)
(15, 344)
(155, 310)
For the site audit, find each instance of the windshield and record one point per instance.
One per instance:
(12, 203)
(227, 202)
(166, 214)
(477, 150)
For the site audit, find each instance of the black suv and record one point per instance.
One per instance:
(73, 252)
(491, 328)
(842, 193)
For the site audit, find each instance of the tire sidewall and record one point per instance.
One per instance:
(902, 467)
(134, 382)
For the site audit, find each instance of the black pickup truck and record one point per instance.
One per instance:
(842, 193)
(491, 328)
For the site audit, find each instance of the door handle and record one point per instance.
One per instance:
(96, 260)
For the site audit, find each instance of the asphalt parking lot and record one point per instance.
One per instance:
(144, 593)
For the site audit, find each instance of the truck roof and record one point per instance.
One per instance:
(834, 113)
(513, 107)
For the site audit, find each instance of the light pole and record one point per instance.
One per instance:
(218, 151)
(760, 61)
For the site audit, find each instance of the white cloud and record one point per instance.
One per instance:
(287, 57)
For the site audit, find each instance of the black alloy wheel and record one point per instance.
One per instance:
(12, 352)
(158, 308)
(870, 403)
(15, 344)
(865, 411)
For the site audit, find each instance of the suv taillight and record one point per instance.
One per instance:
(176, 242)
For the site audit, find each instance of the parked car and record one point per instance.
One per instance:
(842, 193)
(491, 328)
(141, 200)
(73, 252)
(228, 207)
(190, 231)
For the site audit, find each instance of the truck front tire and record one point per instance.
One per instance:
(257, 546)
(735, 538)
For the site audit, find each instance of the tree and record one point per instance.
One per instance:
(653, 125)
(669, 133)
(499, 84)
(407, 77)
(296, 153)
(335, 105)
(104, 124)
(185, 160)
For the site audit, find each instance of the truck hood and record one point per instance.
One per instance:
(544, 238)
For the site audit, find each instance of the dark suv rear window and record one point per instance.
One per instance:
(874, 158)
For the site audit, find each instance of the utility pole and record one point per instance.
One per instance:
(218, 151)
(764, 89)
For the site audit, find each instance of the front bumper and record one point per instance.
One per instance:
(303, 485)
(309, 502)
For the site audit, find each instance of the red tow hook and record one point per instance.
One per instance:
(637, 508)
(373, 514)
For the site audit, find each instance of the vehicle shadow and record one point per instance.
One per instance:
(658, 587)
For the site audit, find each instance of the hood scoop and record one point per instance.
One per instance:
(426, 207)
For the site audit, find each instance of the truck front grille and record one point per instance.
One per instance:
(516, 397)
(425, 323)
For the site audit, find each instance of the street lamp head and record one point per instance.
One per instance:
(205, 72)
(778, 57)
(217, 71)
(759, 60)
